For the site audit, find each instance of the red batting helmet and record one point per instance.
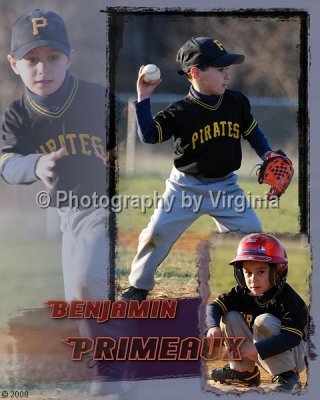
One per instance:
(265, 248)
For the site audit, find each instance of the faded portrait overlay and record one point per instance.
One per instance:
(54, 163)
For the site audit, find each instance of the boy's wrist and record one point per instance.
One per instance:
(142, 97)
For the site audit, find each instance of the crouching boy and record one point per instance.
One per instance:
(267, 312)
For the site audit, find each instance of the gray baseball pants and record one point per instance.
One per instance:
(85, 253)
(264, 327)
(186, 198)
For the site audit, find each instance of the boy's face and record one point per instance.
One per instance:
(42, 70)
(256, 275)
(211, 81)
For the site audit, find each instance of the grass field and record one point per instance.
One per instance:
(178, 275)
(198, 262)
(283, 218)
(179, 269)
(30, 266)
(30, 273)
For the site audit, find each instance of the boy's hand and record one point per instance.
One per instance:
(277, 171)
(215, 332)
(144, 89)
(46, 164)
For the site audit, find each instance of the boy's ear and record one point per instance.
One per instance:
(13, 64)
(195, 72)
(71, 57)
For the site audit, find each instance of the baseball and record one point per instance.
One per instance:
(151, 73)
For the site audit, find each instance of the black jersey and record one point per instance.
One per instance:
(78, 125)
(207, 135)
(284, 303)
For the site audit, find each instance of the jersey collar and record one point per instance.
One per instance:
(267, 297)
(57, 103)
(209, 102)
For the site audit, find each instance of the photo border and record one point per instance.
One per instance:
(309, 194)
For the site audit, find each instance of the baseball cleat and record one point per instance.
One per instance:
(230, 376)
(132, 293)
(288, 381)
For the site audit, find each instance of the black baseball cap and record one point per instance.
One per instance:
(205, 51)
(39, 28)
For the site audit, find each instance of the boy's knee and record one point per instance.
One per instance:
(267, 325)
(149, 237)
(262, 319)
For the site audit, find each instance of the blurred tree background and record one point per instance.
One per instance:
(271, 45)
(270, 76)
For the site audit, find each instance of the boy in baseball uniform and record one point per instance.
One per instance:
(265, 311)
(207, 127)
(54, 133)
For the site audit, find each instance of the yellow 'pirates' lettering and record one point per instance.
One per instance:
(195, 137)
(96, 143)
(201, 136)
(223, 124)
(216, 129)
(249, 319)
(42, 149)
(51, 145)
(221, 128)
(219, 44)
(82, 143)
(236, 131)
(207, 133)
(230, 129)
(63, 143)
(40, 22)
(84, 137)
(71, 137)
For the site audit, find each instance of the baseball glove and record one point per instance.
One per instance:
(276, 171)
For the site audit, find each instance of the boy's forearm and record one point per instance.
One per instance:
(277, 345)
(19, 169)
(259, 142)
(213, 315)
(146, 126)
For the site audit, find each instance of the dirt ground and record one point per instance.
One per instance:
(37, 363)
(190, 242)
(187, 247)
(265, 386)
(30, 350)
